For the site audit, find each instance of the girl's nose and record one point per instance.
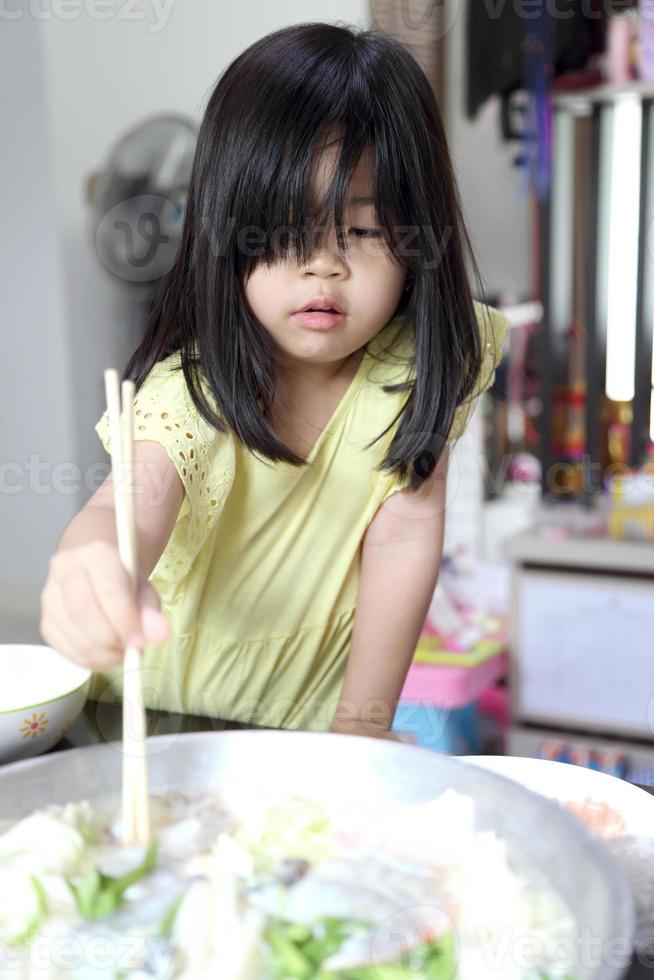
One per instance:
(326, 259)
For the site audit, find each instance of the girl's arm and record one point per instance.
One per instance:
(88, 611)
(158, 495)
(401, 555)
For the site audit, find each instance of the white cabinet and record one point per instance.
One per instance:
(582, 635)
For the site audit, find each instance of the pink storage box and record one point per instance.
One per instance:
(448, 686)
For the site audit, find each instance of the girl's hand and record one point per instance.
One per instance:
(88, 612)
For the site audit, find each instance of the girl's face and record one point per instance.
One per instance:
(367, 285)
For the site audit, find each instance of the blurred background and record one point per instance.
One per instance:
(539, 638)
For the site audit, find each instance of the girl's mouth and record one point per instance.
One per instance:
(319, 319)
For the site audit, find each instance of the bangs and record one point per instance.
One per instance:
(278, 105)
(292, 222)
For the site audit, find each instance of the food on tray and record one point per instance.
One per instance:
(235, 887)
(598, 815)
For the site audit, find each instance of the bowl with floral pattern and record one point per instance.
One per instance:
(41, 695)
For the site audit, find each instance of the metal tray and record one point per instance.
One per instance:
(539, 832)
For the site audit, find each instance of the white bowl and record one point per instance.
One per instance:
(579, 786)
(41, 695)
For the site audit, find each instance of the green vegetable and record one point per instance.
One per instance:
(290, 956)
(98, 894)
(20, 939)
(298, 952)
(166, 924)
(432, 961)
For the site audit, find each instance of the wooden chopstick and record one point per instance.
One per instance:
(135, 825)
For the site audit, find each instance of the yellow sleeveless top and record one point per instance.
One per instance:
(259, 578)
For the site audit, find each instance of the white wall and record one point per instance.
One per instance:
(36, 398)
(497, 215)
(495, 207)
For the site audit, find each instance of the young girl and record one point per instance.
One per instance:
(290, 466)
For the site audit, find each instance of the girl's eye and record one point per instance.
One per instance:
(365, 232)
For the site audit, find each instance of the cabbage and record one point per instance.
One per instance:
(214, 934)
(297, 828)
(43, 842)
(22, 907)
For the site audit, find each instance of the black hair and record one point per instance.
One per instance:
(266, 115)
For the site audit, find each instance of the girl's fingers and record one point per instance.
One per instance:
(52, 635)
(154, 624)
(59, 637)
(86, 612)
(56, 639)
(116, 600)
(69, 639)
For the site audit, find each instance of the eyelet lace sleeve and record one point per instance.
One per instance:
(202, 456)
(493, 327)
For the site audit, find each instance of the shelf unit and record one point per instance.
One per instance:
(591, 112)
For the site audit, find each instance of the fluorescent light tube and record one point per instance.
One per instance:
(623, 227)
